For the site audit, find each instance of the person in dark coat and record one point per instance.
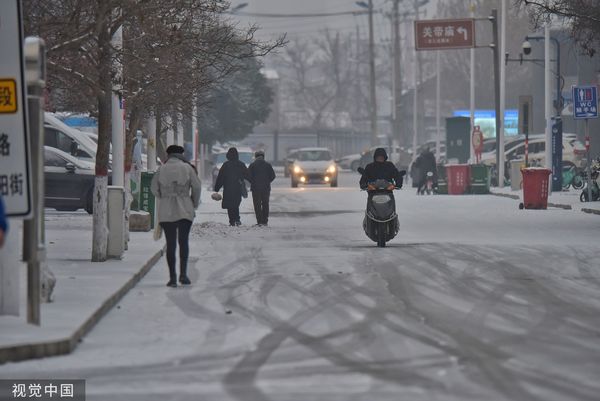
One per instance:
(380, 168)
(427, 164)
(231, 178)
(261, 177)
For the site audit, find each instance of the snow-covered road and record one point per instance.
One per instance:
(474, 300)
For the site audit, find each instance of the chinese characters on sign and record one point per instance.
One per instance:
(15, 179)
(585, 102)
(444, 34)
(73, 390)
(8, 96)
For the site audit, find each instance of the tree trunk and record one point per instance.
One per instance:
(100, 201)
(130, 133)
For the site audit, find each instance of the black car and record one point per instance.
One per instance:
(69, 181)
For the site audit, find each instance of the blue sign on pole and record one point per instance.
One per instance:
(585, 102)
(557, 154)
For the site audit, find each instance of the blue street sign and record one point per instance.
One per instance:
(585, 102)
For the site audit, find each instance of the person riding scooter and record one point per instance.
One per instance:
(380, 178)
(381, 169)
(426, 165)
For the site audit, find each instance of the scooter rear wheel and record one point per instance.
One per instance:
(381, 235)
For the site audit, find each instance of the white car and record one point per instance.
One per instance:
(350, 162)
(514, 149)
(314, 166)
(69, 140)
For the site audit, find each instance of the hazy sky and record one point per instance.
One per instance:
(308, 26)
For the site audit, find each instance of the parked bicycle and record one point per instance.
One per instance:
(584, 197)
(572, 176)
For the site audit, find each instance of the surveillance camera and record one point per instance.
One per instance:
(527, 47)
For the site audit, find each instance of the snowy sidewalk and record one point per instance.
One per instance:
(84, 291)
(564, 199)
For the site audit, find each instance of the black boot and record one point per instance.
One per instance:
(172, 277)
(183, 278)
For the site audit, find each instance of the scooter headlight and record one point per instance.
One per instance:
(331, 169)
(381, 199)
(297, 170)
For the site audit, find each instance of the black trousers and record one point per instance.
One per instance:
(177, 232)
(234, 215)
(261, 206)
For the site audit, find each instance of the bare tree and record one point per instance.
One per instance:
(171, 52)
(583, 15)
(318, 75)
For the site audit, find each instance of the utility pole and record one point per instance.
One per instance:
(372, 83)
(472, 89)
(118, 139)
(495, 47)
(548, 99)
(500, 132)
(417, 82)
(397, 74)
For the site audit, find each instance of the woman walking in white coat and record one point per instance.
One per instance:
(177, 187)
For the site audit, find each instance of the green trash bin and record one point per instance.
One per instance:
(147, 200)
(480, 179)
(442, 184)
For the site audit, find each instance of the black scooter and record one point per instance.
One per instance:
(381, 220)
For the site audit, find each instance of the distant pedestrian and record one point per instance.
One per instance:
(231, 178)
(427, 165)
(177, 187)
(261, 177)
(3, 223)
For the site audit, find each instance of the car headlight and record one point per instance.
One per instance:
(331, 169)
(297, 170)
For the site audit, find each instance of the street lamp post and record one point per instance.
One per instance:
(551, 137)
(373, 90)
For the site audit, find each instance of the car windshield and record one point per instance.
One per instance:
(314, 155)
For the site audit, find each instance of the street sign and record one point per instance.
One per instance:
(15, 178)
(585, 102)
(442, 34)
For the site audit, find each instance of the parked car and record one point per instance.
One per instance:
(350, 162)
(246, 155)
(69, 181)
(314, 166)
(514, 149)
(67, 139)
(399, 156)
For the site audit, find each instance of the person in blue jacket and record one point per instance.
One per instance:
(3, 223)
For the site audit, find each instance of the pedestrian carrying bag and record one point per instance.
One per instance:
(243, 189)
(157, 234)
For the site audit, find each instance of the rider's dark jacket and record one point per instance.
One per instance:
(381, 170)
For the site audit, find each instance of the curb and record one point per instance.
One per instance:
(550, 204)
(517, 197)
(68, 344)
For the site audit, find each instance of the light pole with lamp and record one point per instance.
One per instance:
(553, 151)
(373, 90)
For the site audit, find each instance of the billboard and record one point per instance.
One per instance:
(486, 119)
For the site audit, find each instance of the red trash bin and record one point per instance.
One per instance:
(458, 176)
(535, 188)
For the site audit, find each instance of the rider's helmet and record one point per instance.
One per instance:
(380, 152)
